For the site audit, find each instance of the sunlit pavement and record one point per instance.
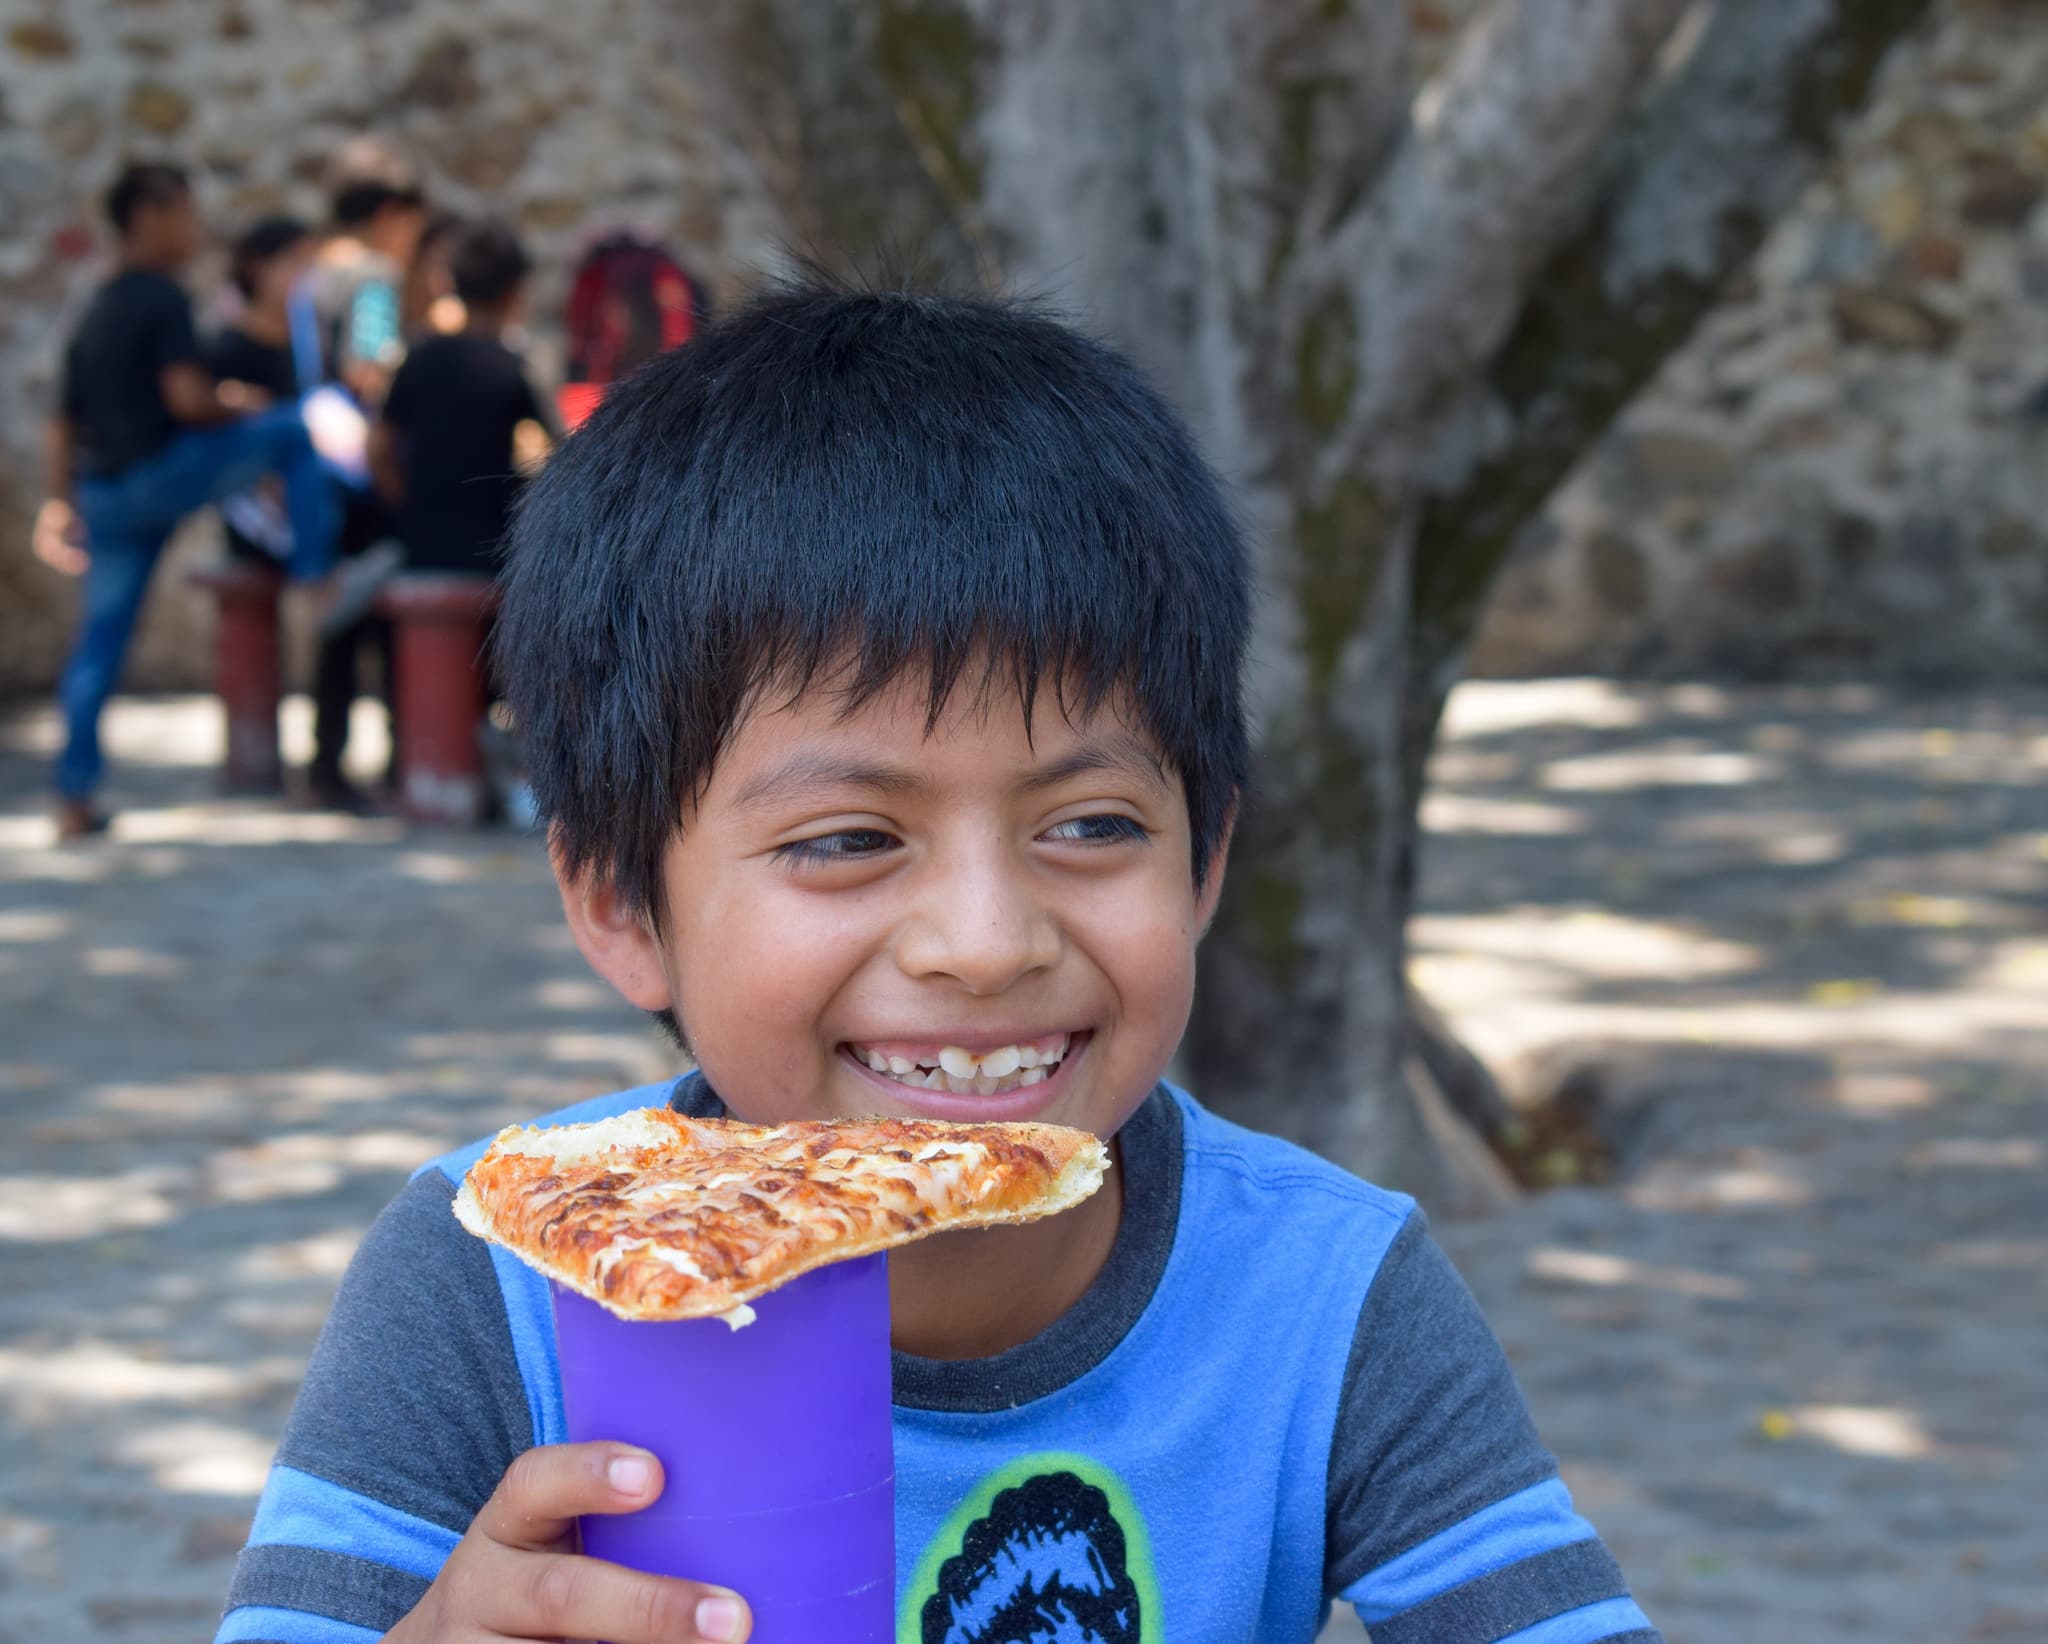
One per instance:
(1797, 1361)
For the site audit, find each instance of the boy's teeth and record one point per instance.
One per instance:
(1009, 1067)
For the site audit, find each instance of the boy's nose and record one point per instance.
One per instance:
(982, 929)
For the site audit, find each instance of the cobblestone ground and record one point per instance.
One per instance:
(1796, 943)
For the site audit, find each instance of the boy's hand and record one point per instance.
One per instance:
(517, 1574)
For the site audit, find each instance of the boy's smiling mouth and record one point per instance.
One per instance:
(991, 1070)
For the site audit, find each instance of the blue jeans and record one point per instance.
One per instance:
(129, 516)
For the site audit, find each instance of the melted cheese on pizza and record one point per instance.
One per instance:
(658, 1215)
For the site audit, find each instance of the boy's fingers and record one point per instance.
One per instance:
(546, 1490)
(573, 1597)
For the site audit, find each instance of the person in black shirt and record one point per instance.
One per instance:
(267, 263)
(462, 419)
(145, 436)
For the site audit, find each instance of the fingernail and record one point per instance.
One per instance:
(718, 1619)
(629, 1475)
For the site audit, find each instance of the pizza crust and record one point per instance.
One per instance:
(656, 1215)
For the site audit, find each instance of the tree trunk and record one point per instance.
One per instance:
(1303, 1023)
(1335, 282)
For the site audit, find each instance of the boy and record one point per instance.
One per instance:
(144, 437)
(879, 658)
(269, 259)
(446, 452)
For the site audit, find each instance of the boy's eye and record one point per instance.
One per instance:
(1096, 830)
(847, 845)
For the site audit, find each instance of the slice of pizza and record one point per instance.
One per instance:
(656, 1215)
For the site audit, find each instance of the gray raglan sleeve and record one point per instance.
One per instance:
(1447, 1521)
(411, 1410)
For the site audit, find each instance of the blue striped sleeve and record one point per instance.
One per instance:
(301, 1510)
(1613, 1619)
(265, 1624)
(434, 1372)
(330, 1558)
(1446, 1521)
(415, 1403)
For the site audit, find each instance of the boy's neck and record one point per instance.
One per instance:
(976, 1294)
(485, 322)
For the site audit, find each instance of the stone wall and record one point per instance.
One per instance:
(566, 118)
(1846, 472)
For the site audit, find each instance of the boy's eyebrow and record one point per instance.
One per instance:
(824, 770)
(1107, 753)
(807, 771)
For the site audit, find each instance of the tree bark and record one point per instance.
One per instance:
(1464, 433)
(1687, 196)
(1374, 323)
(818, 98)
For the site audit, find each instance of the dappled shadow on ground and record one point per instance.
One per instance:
(231, 1030)
(1793, 947)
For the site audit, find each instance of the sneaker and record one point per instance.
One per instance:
(356, 583)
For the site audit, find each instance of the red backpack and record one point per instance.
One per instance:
(630, 301)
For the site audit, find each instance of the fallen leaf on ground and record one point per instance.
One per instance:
(1844, 990)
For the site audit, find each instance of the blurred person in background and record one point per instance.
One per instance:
(144, 436)
(461, 427)
(462, 419)
(427, 304)
(267, 264)
(379, 214)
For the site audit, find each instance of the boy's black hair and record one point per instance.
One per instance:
(487, 263)
(144, 183)
(964, 487)
(257, 244)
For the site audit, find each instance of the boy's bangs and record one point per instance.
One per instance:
(836, 492)
(941, 634)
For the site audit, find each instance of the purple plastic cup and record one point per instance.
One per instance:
(775, 1440)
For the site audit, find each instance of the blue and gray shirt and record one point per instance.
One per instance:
(1277, 1393)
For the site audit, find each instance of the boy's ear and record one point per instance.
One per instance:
(1212, 881)
(616, 941)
